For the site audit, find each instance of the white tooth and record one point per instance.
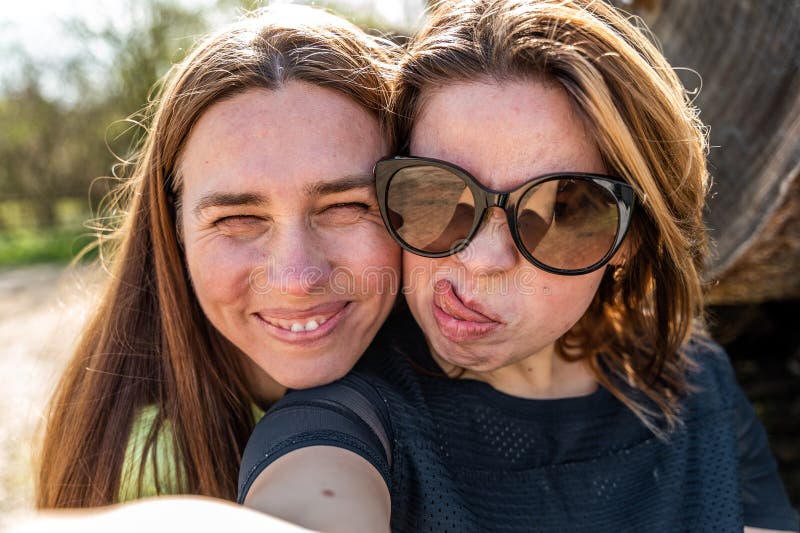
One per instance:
(297, 327)
(311, 325)
(322, 321)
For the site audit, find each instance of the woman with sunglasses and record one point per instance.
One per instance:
(549, 204)
(251, 257)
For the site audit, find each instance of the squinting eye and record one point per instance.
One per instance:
(241, 224)
(345, 212)
(238, 219)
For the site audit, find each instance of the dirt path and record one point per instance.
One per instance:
(41, 311)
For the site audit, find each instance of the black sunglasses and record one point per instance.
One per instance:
(567, 223)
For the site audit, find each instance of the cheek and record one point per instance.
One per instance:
(219, 272)
(417, 280)
(579, 289)
(566, 298)
(367, 259)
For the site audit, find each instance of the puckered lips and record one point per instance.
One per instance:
(460, 320)
(305, 325)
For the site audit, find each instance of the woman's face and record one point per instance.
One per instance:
(487, 306)
(283, 238)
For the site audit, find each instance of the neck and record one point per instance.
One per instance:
(543, 375)
(265, 390)
(268, 391)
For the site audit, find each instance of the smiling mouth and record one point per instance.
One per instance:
(303, 325)
(298, 325)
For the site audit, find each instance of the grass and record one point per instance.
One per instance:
(55, 245)
(22, 243)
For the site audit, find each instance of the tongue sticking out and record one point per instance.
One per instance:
(446, 299)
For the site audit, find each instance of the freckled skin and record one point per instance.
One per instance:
(503, 135)
(276, 144)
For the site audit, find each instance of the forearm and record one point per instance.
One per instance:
(190, 513)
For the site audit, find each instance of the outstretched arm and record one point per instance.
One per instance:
(189, 513)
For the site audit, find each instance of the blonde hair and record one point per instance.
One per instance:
(149, 342)
(648, 133)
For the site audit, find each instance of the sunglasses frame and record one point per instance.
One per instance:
(484, 198)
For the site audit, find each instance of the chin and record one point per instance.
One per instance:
(315, 377)
(471, 361)
(481, 365)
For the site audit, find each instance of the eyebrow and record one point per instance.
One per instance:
(343, 184)
(227, 199)
(320, 188)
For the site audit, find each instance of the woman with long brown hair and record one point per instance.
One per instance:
(251, 257)
(549, 199)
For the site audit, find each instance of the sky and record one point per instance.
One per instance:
(37, 27)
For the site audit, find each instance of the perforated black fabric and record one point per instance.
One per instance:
(465, 457)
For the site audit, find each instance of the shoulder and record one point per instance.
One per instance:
(349, 414)
(710, 357)
(711, 375)
(718, 396)
(151, 465)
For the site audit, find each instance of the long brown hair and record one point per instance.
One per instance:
(149, 343)
(648, 133)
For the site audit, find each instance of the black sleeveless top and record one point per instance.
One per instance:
(458, 455)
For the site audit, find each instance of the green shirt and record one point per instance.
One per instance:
(170, 470)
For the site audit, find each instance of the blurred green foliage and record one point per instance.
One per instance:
(48, 245)
(22, 242)
(53, 146)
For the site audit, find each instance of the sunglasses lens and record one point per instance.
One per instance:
(430, 208)
(568, 224)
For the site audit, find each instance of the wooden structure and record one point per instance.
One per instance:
(747, 53)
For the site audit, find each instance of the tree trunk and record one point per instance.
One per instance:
(748, 55)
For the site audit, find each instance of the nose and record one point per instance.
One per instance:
(297, 262)
(492, 249)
